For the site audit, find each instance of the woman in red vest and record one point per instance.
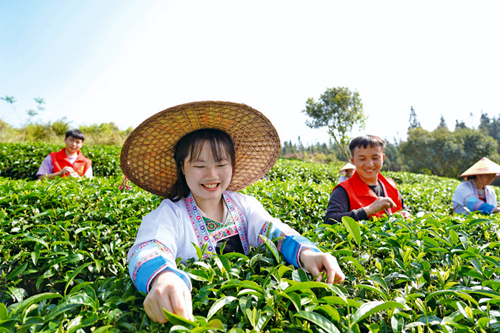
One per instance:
(69, 161)
(367, 193)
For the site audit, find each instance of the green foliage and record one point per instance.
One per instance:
(340, 110)
(414, 123)
(54, 133)
(490, 126)
(22, 160)
(445, 153)
(393, 158)
(104, 134)
(63, 247)
(424, 194)
(7, 132)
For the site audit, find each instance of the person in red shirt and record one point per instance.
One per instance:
(68, 162)
(367, 193)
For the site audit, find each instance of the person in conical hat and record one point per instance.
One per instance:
(198, 155)
(475, 194)
(347, 171)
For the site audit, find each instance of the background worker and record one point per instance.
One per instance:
(367, 193)
(475, 194)
(69, 161)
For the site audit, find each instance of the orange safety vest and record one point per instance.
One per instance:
(360, 195)
(60, 160)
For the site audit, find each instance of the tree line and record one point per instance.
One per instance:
(441, 152)
(445, 152)
(52, 132)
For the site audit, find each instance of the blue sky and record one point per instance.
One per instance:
(122, 61)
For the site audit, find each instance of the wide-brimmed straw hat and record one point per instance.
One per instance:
(147, 156)
(348, 166)
(482, 167)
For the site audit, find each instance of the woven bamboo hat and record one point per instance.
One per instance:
(147, 156)
(482, 167)
(346, 167)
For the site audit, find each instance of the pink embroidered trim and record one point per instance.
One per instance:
(298, 256)
(156, 249)
(124, 184)
(224, 233)
(265, 231)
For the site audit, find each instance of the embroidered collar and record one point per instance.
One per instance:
(201, 229)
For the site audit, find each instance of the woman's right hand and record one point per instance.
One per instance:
(168, 291)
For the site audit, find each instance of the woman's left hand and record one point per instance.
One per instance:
(319, 263)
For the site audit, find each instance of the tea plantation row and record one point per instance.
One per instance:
(22, 160)
(63, 247)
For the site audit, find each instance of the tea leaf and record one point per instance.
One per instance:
(75, 273)
(219, 304)
(367, 309)
(318, 320)
(271, 247)
(353, 228)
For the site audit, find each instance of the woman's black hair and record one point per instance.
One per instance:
(191, 144)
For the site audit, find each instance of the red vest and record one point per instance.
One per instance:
(360, 195)
(60, 160)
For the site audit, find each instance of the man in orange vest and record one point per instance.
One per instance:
(68, 162)
(367, 193)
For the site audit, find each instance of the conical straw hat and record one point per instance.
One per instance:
(147, 156)
(482, 167)
(346, 167)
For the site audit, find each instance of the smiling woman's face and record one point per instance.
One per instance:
(206, 178)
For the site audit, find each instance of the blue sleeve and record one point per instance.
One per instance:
(474, 204)
(150, 259)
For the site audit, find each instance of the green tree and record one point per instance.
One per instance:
(445, 153)
(442, 123)
(490, 126)
(414, 123)
(393, 157)
(9, 99)
(459, 124)
(320, 158)
(340, 110)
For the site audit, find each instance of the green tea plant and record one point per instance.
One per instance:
(22, 160)
(63, 248)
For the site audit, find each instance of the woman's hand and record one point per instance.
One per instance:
(169, 292)
(319, 263)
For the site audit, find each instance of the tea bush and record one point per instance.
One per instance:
(22, 160)
(63, 247)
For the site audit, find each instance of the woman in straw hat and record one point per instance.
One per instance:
(474, 194)
(347, 171)
(198, 155)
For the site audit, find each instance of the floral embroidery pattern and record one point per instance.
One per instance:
(212, 225)
(224, 233)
